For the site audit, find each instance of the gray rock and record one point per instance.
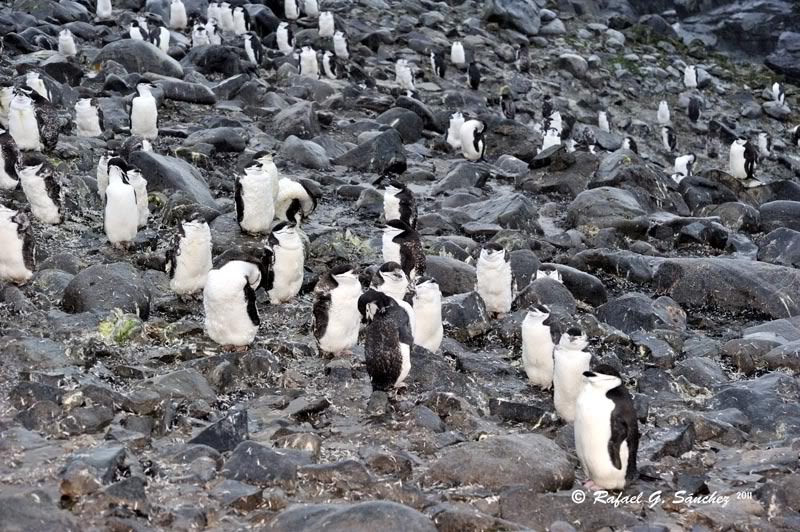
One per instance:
(372, 515)
(463, 175)
(701, 372)
(522, 15)
(786, 57)
(781, 246)
(34, 511)
(105, 287)
(552, 511)
(224, 139)
(115, 114)
(602, 207)
(548, 292)
(261, 466)
(183, 91)
(452, 275)
(501, 461)
(141, 57)
(464, 316)
(225, 434)
(406, 122)
(509, 211)
(554, 27)
(784, 356)
(583, 286)
(574, 64)
(777, 214)
(383, 153)
(637, 312)
(306, 153)
(168, 173)
(776, 110)
(226, 234)
(35, 353)
(239, 495)
(299, 120)
(186, 384)
(654, 190)
(208, 60)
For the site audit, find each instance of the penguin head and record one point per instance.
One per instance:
(574, 339)
(548, 272)
(29, 170)
(118, 162)
(372, 303)
(344, 274)
(282, 233)
(603, 378)
(390, 273)
(493, 252)
(427, 285)
(194, 220)
(505, 92)
(395, 187)
(538, 313)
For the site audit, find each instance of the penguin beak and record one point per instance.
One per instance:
(589, 374)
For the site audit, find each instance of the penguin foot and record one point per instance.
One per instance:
(235, 348)
(346, 353)
(591, 486)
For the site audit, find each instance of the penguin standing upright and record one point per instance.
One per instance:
(537, 347)
(6, 95)
(507, 102)
(9, 158)
(457, 55)
(551, 138)
(102, 173)
(495, 281)
(47, 121)
(340, 45)
(403, 75)
(161, 37)
(137, 32)
(750, 160)
(438, 64)
(569, 362)
(213, 11)
(121, 215)
(606, 430)
(225, 17)
(284, 39)
(602, 121)
(43, 190)
(291, 10)
(253, 48)
(309, 66)
(391, 280)
(327, 26)
(663, 113)
(255, 206)
(629, 144)
(311, 8)
(523, 59)
(336, 316)
(200, 36)
(695, 106)
(473, 146)
(103, 10)
(796, 136)
(66, 43)
(283, 261)
(547, 106)
(144, 113)
(177, 15)
(22, 123)
(429, 330)
(764, 145)
(139, 184)
(229, 302)
(330, 65)
(401, 244)
(264, 160)
(189, 256)
(474, 76)
(690, 77)
(399, 204)
(387, 342)
(685, 164)
(295, 201)
(454, 131)
(17, 261)
(778, 94)
(213, 32)
(668, 138)
(241, 21)
(35, 83)
(88, 118)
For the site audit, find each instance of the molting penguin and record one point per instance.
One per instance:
(139, 184)
(429, 330)
(177, 15)
(9, 158)
(690, 77)
(22, 123)
(6, 95)
(602, 121)
(255, 206)
(253, 48)
(537, 347)
(311, 8)
(569, 362)
(34, 82)
(474, 76)
(200, 36)
(309, 66)
(399, 204)
(17, 261)
(225, 17)
(606, 430)
(547, 106)
(189, 256)
(213, 32)
(121, 214)
(102, 173)
(295, 201)
(454, 130)
(523, 59)
(668, 138)
(88, 118)
(387, 342)
(629, 144)
(507, 103)
(284, 38)
(336, 316)
(264, 160)
(47, 121)
(340, 45)
(329, 65)
(283, 261)
(473, 146)
(43, 190)
(401, 244)
(438, 64)
(213, 11)
(391, 280)
(457, 56)
(66, 44)
(663, 113)
(403, 75)
(695, 107)
(144, 113)
(103, 10)
(326, 25)
(291, 10)
(495, 282)
(229, 302)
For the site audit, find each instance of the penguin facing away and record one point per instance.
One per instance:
(283, 260)
(454, 131)
(144, 113)
(695, 106)
(326, 24)
(103, 10)
(427, 300)
(690, 77)
(88, 118)
(66, 44)
(189, 256)
(387, 342)
(336, 317)
(764, 145)
(401, 244)
(457, 55)
(606, 430)
(43, 190)
(17, 261)
(495, 281)
(229, 302)
(177, 15)
(255, 207)
(9, 158)
(569, 362)
(537, 347)
(663, 113)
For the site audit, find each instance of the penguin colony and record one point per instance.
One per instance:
(402, 307)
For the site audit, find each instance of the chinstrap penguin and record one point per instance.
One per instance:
(399, 204)
(311, 8)
(121, 213)
(103, 9)
(690, 77)
(43, 190)
(66, 44)
(177, 15)
(295, 202)
(602, 121)
(663, 113)
(495, 281)
(387, 342)
(284, 258)
(139, 184)
(570, 360)
(326, 25)
(438, 64)
(309, 66)
(330, 65)
(629, 144)
(291, 10)
(88, 118)
(188, 259)
(253, 48)
(9, 159)
(336, 317)
(427, 303)
(454, 131)
(695, 108)
(457, 56)
(507, 103)
(474, 76)
(17, 261)
(284, 38)
(537, 347)
(254, 200)
(144, 113)
(229, 302)
(684, 164)
(401, 244)
(340, 45)
(473, 145)
(668, 139)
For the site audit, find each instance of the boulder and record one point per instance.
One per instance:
(361, 517)
(522, 15)
(786, 57)
(105, 287)
(299, 120)
(603, 207)
(382, 153)
(140, 57)
(406, 122)
(224, 139)
(781, 246)
(452, 275)
(183, 91)
(464, 316)
(781, 213)
(306, 153)
(164, 172)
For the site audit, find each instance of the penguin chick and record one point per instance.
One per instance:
(189, 256)
(606, 430)
(569, 362)
(103, 9)
(88, 119)
(387, 342)
(17, 261)
(391, 280)
(429, 330)
(495, 282)
(473, 146)
(663, 113)
(139, 184)
(537, 347)
(66, 44)
(43, 190)
(23, 124)
(602, 121)
(177, 15)
(340, 45)
(454, 131)
(330, 65)
(690, 77)
(229, 303)
(336, 317)
(326, 25)
(311, 8)
(668, 139)
(284, 258)
(438, 64)
(255, 207)
(309, 66)
(401, 244)
(457, 56)
(399, 204)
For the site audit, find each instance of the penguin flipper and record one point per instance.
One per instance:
(619, 433)
(239, 199)
(268, 263)
(250, 297)
(319, 320)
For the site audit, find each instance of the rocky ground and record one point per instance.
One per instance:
(117, 413)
